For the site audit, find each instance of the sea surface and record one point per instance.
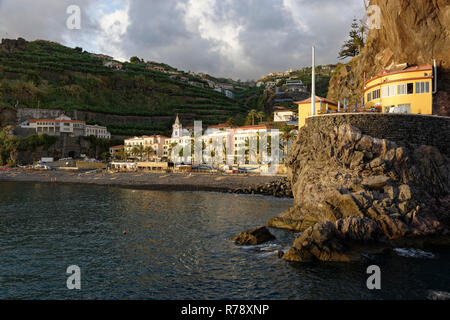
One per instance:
(176, 246)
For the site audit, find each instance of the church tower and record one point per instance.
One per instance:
(177, 129)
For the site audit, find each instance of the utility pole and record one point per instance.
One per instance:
(313, 83)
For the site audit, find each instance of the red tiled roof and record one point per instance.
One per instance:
(54, 120)
(116, 147)
(220, 126)
(425, 67)
(318, 99)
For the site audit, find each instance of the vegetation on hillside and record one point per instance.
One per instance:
(51, 76)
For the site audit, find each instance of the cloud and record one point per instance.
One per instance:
(230, 38)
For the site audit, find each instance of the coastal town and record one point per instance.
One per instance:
(225, 150)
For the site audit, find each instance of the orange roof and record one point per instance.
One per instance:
(116, 147)
(425, 67)
(220, 126)
(253, 127)
(318, 99)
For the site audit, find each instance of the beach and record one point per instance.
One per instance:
(142, 180)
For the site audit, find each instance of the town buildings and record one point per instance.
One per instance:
(283, 115)
(322, 106)
(65, 125)
(150, 147)
(221, 144)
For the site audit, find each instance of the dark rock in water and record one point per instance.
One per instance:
(280, 254)
(438, 295)
(254, 236)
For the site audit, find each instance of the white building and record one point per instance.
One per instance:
(65, 125)
(155, 142)
(283, 115)
(97, 131)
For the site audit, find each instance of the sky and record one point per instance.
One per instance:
(239, 39)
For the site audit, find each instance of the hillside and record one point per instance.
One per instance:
(419, 36)
(47, 75)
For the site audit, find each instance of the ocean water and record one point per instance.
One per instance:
(176, 246)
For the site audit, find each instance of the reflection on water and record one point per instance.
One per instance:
(176, 247)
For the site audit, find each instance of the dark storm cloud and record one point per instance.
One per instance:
(238, 38)
(274, 35)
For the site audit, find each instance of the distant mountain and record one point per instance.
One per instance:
(47, 75)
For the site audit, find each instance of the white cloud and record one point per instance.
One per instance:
(113, 27)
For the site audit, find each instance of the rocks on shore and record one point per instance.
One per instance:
(355, 193)
(280, 188)
(254, 236)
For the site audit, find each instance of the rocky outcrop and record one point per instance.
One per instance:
(280, 188)
(411, 32)
(11, 45)
(253, 236)
(354, 193)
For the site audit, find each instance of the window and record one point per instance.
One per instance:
(376, 94)
(401, 89)
(422, 87)
(369, 97)
(404, 108)
(410, 88)
(387, 91)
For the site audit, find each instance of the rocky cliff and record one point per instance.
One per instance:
(355, 193)
(413, 32)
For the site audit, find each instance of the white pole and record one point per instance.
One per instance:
(313, 83)
(339, 106)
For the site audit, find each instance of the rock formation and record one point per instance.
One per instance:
(355, 193)
(253, 236)
(10, 45)
(280, 188)
(412, 32)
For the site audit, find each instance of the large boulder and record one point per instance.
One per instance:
(254, 236)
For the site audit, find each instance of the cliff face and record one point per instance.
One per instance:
(355, 191)
(413, 32)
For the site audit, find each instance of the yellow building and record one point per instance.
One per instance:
(322, 106)
(404, 91)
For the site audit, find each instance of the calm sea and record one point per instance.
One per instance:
(176, 247)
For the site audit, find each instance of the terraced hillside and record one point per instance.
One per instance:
(47, 75)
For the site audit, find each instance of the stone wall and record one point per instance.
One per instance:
(404, 129)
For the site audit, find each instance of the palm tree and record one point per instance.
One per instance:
(286, 134)
(148, 150)
(261, 116)
(138, 150)
(252, 114)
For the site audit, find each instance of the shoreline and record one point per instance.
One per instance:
(142, 181)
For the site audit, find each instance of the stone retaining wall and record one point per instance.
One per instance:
(404, 129)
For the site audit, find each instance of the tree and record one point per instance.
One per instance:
(260, 116)
(230, 122)
(135, 60)
(286, 134)
(252, 114)
(352, 47)
(138, 151)
(148, 150)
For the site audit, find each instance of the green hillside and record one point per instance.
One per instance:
(48, 75)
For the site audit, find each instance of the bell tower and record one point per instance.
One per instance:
(177, 128)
